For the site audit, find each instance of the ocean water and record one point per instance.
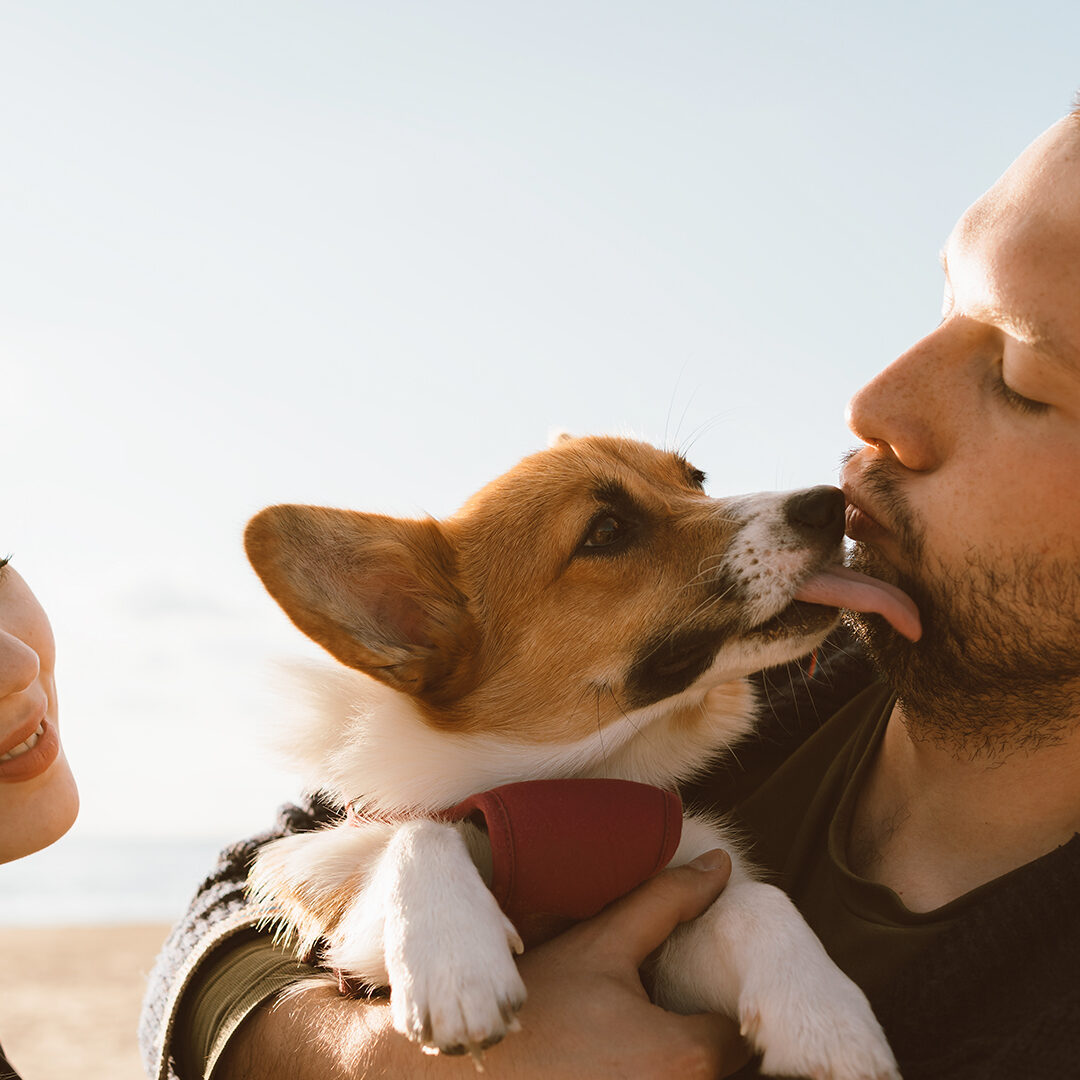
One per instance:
(100, 880)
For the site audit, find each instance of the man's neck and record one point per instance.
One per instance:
(932, 825)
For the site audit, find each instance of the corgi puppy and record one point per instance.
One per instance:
(590, 614)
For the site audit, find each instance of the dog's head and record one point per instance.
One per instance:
(594, 580)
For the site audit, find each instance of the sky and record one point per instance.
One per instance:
(370, 254)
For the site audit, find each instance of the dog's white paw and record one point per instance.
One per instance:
(825, 1030)
(458, 991)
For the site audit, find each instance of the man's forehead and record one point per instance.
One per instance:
(1042, 186)
(1013, 258)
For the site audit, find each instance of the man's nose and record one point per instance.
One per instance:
(900, 411)
(19, 665)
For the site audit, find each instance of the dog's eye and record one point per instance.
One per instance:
(603, 532)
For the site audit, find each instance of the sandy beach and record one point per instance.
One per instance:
(70, 998)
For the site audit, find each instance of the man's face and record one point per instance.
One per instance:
(967, 491)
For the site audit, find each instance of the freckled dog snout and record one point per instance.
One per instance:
(817, 513)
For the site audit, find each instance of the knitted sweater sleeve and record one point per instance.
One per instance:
(218, 910)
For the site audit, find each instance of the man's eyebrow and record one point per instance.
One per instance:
(1041, 337)
(1036, 333)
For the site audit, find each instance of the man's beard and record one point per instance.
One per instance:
(997, 668)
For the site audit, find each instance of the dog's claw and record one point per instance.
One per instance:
(471, 1011)
(514, 938)
(750, 1024)
(835, 1038)
(508, 1010)
(462, 998)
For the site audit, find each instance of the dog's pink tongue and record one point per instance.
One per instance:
(841, 587)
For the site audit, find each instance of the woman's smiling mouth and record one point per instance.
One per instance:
(32, 755)
(27, 744)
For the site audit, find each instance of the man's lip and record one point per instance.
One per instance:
(859, 525)
(859, 522)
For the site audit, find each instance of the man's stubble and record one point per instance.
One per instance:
(997, 669)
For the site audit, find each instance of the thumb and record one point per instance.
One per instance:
(643, 919)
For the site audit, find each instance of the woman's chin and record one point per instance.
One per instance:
(36, 817)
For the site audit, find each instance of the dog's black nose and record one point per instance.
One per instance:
(817, 513)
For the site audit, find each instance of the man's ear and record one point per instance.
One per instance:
(379, 593)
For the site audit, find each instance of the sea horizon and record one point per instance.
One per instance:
(103, 880)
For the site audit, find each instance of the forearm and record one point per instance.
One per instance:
(586, 1016)
(315, 1034)
(576, 1026)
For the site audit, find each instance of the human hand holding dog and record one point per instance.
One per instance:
(587, 1014)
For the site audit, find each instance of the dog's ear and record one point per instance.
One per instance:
(379, 593)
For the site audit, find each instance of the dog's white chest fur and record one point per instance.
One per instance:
(417, 915)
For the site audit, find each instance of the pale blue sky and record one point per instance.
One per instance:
(369, 254)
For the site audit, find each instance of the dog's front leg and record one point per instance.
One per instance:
(753, 957)
(454, 985)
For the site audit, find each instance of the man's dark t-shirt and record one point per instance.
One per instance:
(986, 986)
(800, 821)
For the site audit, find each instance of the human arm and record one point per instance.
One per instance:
(587, 1014)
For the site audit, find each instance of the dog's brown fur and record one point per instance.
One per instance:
(497, 614)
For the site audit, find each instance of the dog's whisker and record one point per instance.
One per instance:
(806, 687)
(600, 730)
(791, 683)
(768, 698)
(703, 573)
(671, 403)
(701, 430)
(712, 601)
(707, 566)
(682, 417)
(628, 717)
(673, 632)
(729, 750)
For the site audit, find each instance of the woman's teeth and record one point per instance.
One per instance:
(24, 746)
